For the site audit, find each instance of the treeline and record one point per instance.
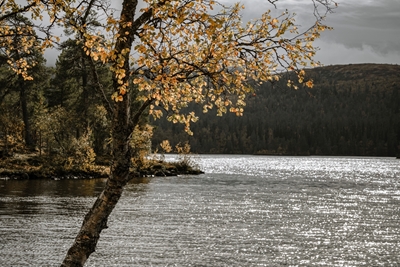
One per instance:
(351, 110)
(62, 113)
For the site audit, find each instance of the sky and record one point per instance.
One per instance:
(365, 31)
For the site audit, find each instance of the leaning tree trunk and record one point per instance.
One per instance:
(96, 219)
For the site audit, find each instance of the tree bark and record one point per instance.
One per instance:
(25, 114)
(96, 219)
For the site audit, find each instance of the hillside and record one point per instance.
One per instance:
(352, 110)
(358, 76)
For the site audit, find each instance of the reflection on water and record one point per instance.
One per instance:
(61, 188)
(34, 196)
(245, 211)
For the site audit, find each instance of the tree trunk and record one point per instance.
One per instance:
(6, 140)
(96, 219)
(25, 114)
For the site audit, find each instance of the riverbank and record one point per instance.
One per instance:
(21, 166)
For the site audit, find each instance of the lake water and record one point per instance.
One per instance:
(244, 211)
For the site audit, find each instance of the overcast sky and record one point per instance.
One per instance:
(365, 31)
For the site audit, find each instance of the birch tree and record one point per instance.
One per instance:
(172, 53)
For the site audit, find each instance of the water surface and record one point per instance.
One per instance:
(245, 211)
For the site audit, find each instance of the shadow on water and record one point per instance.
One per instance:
(34, 196)
(58, 188)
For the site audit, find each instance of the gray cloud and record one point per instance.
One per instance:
(365, 31)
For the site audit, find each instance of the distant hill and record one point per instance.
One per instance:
(360, 76)
(352, 110)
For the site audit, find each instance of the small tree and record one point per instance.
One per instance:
(73, 89)
(141, 144)
(185, 160)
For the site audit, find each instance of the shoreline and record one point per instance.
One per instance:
(31, 167)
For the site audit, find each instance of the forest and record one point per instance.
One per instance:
(352, 110)
(60, 117)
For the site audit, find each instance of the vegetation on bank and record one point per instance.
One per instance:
(34, 166)
(58, 125)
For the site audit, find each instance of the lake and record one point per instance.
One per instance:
(244, 211)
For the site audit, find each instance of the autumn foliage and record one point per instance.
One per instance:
(175, 52)
(163, 55)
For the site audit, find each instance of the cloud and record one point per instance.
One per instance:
(335, 53)
(364, 31)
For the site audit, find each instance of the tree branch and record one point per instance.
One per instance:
(18, 11)
(136, 117)
(99, 86)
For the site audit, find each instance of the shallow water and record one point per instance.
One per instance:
(245, 211)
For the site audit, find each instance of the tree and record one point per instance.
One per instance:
(176, 52)
(34, 60)
(19, 35)
(73, 88)
(172, 53)
(28, 89)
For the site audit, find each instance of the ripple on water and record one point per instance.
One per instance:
(245, 211)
